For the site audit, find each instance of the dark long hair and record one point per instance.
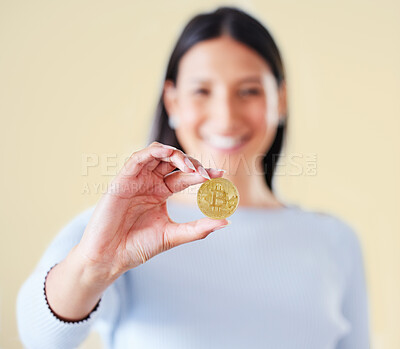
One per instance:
(243, 28)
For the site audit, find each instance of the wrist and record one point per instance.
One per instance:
(57, 307)
(92, 275)
(74, 287)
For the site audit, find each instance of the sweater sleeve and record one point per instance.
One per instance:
(38, 326)
(355, 301)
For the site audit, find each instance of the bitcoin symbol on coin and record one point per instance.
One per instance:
(218, 198)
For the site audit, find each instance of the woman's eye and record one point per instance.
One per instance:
(250, 92)
(201, 91)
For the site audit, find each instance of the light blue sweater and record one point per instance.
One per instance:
(278, 279)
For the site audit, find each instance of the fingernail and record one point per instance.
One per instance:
(169, 146)
(203, 172)
(220, 169)
(214, 170)
(190, 164)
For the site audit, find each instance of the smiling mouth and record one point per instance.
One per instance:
(226, 143)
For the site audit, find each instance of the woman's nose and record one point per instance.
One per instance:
(224, 113)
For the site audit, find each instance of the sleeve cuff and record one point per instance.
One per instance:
(88, 317)
(39, 327)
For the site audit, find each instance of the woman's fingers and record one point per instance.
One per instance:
(162, 159)
(190, 162)
(150, 156)
(152, 165)
(179, 233)
(178, 181)
(163, 168)
(200, 169)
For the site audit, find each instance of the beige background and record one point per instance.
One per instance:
(82, 77)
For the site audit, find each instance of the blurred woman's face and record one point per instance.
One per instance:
(226, 102)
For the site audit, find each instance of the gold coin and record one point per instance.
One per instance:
(218, 198)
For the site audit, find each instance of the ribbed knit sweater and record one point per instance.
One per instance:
(284, 278)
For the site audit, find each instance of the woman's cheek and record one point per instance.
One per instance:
(192, 112)
(257, 110)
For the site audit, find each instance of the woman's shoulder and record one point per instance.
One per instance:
(328, 219)
(334, 227)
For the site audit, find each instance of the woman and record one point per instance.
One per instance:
(278, 277)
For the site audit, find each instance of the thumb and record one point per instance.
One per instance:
(180, 233)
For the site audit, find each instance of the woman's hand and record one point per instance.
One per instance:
(130, 223)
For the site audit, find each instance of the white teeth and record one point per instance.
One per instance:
(224, 142)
